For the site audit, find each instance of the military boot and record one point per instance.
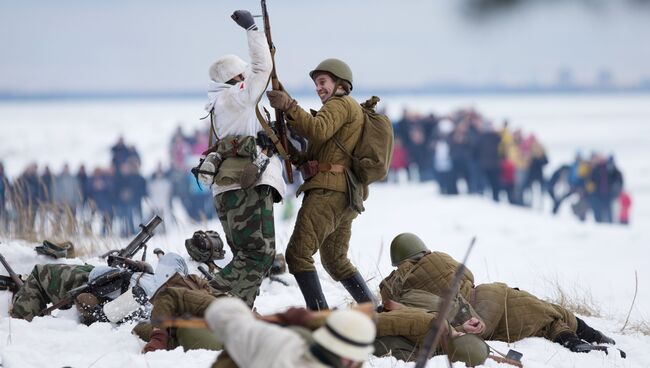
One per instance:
(590, 334)
(572, 342)
(311, 290)
(357, 287)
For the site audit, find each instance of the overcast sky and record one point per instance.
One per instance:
(164, 45)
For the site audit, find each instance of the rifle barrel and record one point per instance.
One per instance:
(146, 233)
(280, 124)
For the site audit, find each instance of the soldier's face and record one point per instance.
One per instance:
(324, 86)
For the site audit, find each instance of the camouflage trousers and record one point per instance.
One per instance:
(247, 219)
(48, 283)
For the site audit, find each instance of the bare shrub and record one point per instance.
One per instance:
(642, 327)
(578, 300)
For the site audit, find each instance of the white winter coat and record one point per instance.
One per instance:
(234, 107)
(252, 343)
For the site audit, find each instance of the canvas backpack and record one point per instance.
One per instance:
(372, 154)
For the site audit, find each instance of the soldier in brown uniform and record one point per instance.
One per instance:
(178, 294)
(324, 221)
(507, 314)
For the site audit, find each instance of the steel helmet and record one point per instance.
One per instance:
(405, 246)
(347, 333)
(226, 68)
(336, 67)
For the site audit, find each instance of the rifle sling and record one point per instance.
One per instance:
(61, 303)
(267, 128)
(265, 125)
(269, 131)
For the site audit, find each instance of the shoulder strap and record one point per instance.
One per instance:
(267, 128)
(213, 130)
(338, 143)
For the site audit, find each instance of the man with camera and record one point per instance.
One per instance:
(246, 178)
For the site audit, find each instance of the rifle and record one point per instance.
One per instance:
(140, 241)
(315, 322)
(208, 275)
(280, 124)
(14, 276)
(432, 338)
(99, 287)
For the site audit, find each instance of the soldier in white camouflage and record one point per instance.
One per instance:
(243, 198)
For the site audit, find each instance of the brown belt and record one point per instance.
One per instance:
(331, 168)
(313, 167)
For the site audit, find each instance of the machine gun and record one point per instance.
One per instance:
(16, 282)
(139, 242)
(100, 287)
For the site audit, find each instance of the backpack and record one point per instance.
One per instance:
(373, 152)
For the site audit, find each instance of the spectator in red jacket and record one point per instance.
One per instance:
(399, 162)
(625, 201)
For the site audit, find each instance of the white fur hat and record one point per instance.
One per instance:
(347, 333)
(226, 68)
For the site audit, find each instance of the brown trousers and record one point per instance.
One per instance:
(324, 224)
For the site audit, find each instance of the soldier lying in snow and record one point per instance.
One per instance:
(499, 312)
(179, 294)
(114, 294)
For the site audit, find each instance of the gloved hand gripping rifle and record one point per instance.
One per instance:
(99, 287)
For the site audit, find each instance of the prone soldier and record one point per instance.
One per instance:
(499, 312)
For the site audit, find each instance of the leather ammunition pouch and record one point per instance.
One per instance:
(355, 191)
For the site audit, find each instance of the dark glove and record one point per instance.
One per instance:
(139, 295)
(158, 341)
(281, 100)
(244, 19)
(295, 317)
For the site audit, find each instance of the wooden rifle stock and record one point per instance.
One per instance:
(12, 274)
(280, 123)
(194, 322)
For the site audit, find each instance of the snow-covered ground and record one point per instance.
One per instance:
(529, 249)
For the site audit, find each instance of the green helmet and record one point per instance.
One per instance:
(336, 67)
(405, 246)
(469, 349)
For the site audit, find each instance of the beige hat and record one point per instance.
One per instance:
(226, 68)
(348, 334)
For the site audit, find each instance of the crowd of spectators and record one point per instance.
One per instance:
(463, 153)
(114, 194)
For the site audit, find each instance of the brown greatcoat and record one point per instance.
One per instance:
(324, 221)
(341, 117)
(509, 314)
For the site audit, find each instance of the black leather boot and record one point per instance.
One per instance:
(357, 287)
(311, 290)
(572, 342)
(589, 334)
